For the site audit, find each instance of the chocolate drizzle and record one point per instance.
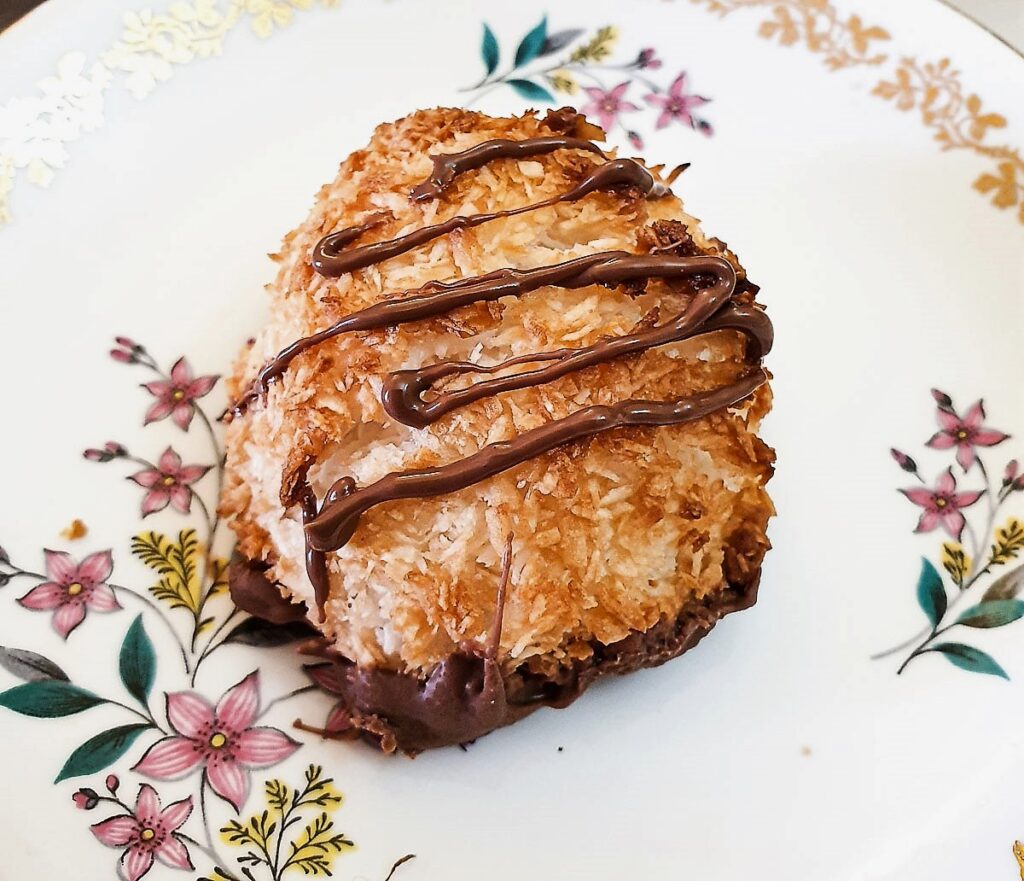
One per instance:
(609, 268)
(448, 166)
(331, 258)
(708, 308)
(339, 515)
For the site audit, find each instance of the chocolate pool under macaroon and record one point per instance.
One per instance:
(498, 437)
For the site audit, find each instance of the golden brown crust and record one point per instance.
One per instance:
(612, 535)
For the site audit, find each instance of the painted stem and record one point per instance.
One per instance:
(923, 647)
(146, 601)
(27, 572)
(146, 717)
(211, 854)
(277, 700)
(212, 522)
(210, 647)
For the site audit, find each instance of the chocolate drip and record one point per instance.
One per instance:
(468, 694)
(330, 260)
(345, 503)
(316, 560)
(448, 166)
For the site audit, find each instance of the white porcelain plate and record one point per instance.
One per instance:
(863, 159)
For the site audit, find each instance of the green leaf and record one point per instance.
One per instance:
(930, 592)
(49, 699)
(263, 634)
(1006, 586)
(99, 751)
(138, 662)
(992, 613)
(531, 91)
(29, 666)
(532, 43)
(969, 658)
(489, 50)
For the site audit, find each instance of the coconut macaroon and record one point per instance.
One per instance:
(634, 531)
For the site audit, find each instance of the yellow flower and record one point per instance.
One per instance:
(563, 82)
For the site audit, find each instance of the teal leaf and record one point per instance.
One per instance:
(29, 666)
(969, 658)
(930, 593)
(531, 91)
(48, 699)
(137, 662)
(99, 751)
(532, 43)
(992, 613)
(489, 50)
(559, 40)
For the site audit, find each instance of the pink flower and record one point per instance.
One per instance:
(111, 450)
(1010, 477)
(170, 482)
(175, 396)
(646, 60)
(635, 140)
(607, 106)
(72, 589)
(964, 434)
(148, 833)
(942, 505)
(904, 461)
(678, 105)
(85, 799)
(221, 739)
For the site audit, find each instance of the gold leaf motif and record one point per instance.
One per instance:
(861, 36)
(176, 563)
(933, 88)
(818, 25)
(218, 576)
(1018, 852)
(956, 562)
(1009, 542)
(563, 82)
(265, 834)
(598, 47)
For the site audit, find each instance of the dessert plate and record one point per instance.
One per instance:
(861, 722)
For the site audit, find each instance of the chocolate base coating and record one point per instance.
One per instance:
(468, 695)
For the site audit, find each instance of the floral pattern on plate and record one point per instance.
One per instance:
(948, 506)
(574, 63)
(217, 743)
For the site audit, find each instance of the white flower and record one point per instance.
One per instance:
(33, 131)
